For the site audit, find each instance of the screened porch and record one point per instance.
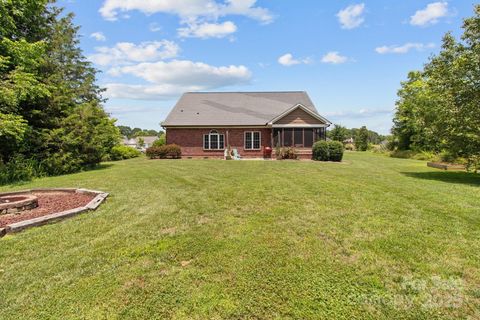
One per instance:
(297, 137)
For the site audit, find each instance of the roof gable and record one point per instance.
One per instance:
(298, 115)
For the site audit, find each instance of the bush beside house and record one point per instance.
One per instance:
(168, 151)
(327, 151)
(286, 153)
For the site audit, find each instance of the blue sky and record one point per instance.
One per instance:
(350, 56)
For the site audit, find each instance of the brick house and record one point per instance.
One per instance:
(203, 124)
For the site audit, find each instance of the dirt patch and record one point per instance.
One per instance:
(48, 203)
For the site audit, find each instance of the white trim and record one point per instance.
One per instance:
(299, 125)
(245, 140)
(301, 106)
(220, 127)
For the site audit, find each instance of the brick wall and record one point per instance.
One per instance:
(191, 141)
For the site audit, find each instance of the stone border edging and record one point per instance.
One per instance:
(19, 226)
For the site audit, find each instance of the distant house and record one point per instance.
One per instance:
(134, 142)
(203, 124)
(349, 140)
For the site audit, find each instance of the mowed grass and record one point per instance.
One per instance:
(371, 238)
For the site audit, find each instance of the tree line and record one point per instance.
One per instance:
(129, 133)
(362, 137)
(438, 107)
(51, 115)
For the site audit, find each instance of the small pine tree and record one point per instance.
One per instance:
(361, 139)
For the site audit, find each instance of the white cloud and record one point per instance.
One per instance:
(169, 79)
(430, 15)
(352, 16)
(198, 16)
(185, 72)
(208, 30)
(127, 52)
(288, 60)
(154, 27)
(358, 114)
(145, 92)
(404, 48)
(99, 36)
(334, 57)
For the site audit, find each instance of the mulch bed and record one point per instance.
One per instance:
(48, 203)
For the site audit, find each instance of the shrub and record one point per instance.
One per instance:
(320, 151)
(426, 156)
(121, 152)
(350, 147)
(286, 153)
(161, 141)
(335, 149)
(327, 151)
(19, 169)
(402, 154)
(168, 151)
(449, 157)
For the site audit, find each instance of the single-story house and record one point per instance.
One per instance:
(129, 142)
(134, 142)
(203, 124)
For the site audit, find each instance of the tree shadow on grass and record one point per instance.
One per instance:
(471, 179)
(100, 166)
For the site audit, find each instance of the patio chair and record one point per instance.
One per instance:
(236, 155)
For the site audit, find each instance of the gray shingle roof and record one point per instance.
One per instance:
(233, 108)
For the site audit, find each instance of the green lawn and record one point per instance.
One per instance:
(373, 237)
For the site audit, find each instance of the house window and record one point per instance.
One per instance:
(213, 141)
(252, 140)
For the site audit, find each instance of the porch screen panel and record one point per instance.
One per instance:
(298, 137)
(307, 138)
(277, 137)
(320, 134)
(287, 137)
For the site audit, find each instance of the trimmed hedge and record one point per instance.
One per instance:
(168, 151)
(327, 151)
(320, 151)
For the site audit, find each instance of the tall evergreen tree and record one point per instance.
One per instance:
(47, 87)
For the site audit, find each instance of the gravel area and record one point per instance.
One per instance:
(48, 203)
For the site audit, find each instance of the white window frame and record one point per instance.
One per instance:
(209, 135)
(251, 133)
